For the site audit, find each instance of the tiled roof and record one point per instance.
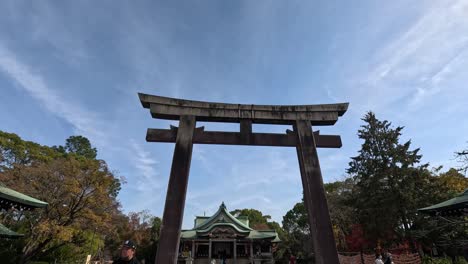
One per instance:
(10, 198)
(222, 218)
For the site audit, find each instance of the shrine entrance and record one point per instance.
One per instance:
(301, 117)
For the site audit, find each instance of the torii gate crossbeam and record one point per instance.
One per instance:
(301, 117)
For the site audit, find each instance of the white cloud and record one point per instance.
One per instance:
(411, 66)
(85, 123)
(273, 167)
(35, 85)
(147, 180)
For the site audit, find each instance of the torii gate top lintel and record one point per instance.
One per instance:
(172, 108)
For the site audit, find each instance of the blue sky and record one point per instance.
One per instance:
(75, 67)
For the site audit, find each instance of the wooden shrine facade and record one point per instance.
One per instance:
(302, 137)
(228, 237)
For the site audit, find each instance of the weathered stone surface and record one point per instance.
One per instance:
(315, 200)
(235, 138)
(176, 192)
(171, 108)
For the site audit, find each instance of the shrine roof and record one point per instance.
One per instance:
(223, 219)
(7, 233)
(223, 216)
(11, 198)
(456, 205)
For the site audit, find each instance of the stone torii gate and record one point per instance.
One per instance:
(301, 117)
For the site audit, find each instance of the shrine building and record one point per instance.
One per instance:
(224, 235)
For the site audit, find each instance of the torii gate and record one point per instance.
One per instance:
(301, 117)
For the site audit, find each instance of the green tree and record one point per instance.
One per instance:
(451, 183)
(81, 192)
(256, 218)
(449, 232)
(78, 193)
(259, 221)
(143, 229)
(388, 180)
(80, 146)
(15, 151)
(296, 227)
(342, 213)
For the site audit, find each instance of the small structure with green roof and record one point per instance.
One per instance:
(5, 232)
(457, 206)
(224, 235)
(11, 199)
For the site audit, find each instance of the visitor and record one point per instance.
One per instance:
(292, 259)
(127, 254)
(223, 257)
(388, 258)
(378, 260)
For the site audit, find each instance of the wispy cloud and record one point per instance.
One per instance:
(415, 63)
(67, 40)
(34, 84)
(83, 121)
(265, 170)
(147, 179)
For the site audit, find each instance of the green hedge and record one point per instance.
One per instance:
(429, 260)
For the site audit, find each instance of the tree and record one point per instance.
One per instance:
(143, 229)
(81, 192)
(15, 151)
(388, 177)
(296, 226)
(259, 221)
(256, 218)
(451, 183)
(341, 212)
(462, 157)
(78, 193)
(448, 233)
(80, 146)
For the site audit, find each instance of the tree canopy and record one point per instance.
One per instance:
(375, 204)
(388, 178)
(378, 200)
(81, 192)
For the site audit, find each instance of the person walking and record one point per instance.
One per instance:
(388, 258)
(378, 260)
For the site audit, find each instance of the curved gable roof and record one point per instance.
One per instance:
(223, 216)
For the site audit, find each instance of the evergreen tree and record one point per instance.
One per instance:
(389, 181)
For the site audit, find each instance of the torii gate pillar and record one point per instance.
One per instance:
(314, 195)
